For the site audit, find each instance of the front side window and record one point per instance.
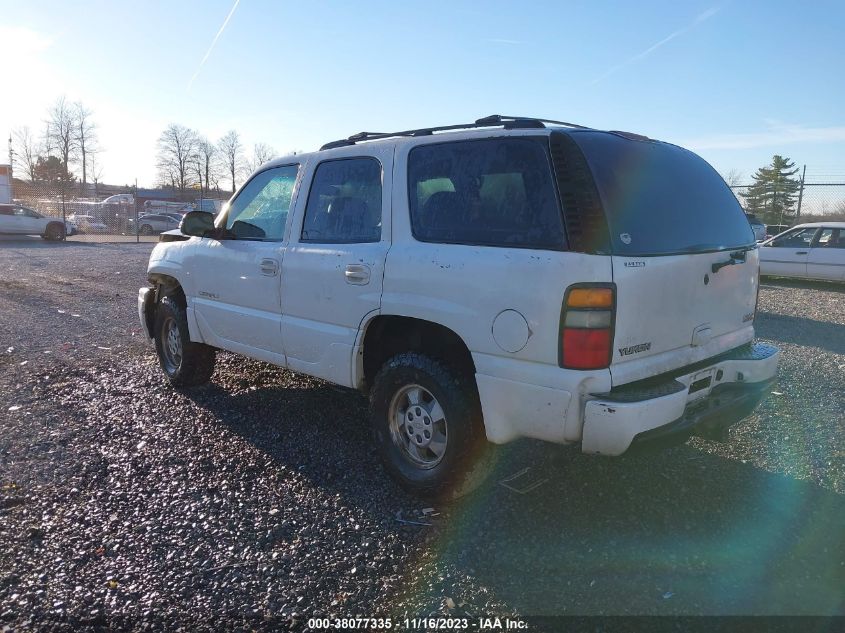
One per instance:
(344, 204)
(796, 239)
(489, 192)
(261, 209)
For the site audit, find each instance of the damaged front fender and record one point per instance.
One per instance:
(146, 310)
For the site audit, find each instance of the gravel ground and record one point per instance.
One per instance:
(102, 239)
(257, 501)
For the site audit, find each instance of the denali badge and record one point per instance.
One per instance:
(635, 349)
(748, 317)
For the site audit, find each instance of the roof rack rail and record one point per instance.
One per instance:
(494, 120)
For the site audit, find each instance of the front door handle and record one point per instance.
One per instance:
(357, 274)
(800, 252)
(269, 267)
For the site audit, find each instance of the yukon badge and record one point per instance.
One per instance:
(635, 349)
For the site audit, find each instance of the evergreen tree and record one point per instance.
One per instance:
(52, 171)
(774, 193)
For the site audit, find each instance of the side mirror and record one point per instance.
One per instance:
(197, 223)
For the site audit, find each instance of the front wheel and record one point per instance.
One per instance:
(427, 423)
(185, 364)
(146, 229)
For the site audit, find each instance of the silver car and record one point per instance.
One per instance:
(157, 223)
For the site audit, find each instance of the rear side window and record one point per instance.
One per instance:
(344, 204)
(831, 238)
(488, 192)
(661, 199)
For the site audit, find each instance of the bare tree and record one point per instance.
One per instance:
(26, 150)
(61, 133)
(47, 140)
(86, 140)
(96, 174)
(232, 154)
(176, 154)
(206, 164)
(734, 178)
(261, 153)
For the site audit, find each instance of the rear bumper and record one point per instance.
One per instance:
(705, 401)
(710, 418)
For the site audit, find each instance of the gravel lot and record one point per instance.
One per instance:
(257, 501)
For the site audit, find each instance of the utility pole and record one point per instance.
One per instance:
(800, 196)
(137, 232)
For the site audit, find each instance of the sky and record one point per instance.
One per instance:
(735, 81)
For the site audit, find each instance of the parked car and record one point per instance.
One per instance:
(773, 230)
(210, 206)
(507, 278)
(120, 198)
(87, 224)
(757, 226)
(808, 251)
(19, 220)
(152, 223)
(158, 206)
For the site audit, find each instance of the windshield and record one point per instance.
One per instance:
(661, 199)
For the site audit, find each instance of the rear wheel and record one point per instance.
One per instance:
(427, 424)
(146, 229)
(186, 364)
(55, 232)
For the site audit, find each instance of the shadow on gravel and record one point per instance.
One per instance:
(830, 286)
(676, 532)
(26, 242)
(320, 431)
(802, 331)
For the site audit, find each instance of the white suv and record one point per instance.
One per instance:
(509, 278)
(18, 220)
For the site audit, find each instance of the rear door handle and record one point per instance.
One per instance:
(800, 252)
(269, 267)
(357, 274)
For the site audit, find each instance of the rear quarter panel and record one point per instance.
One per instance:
(466, 287)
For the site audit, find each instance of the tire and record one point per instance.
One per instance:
(146, 229)
(55, 232)
(185, 364)
(428, 457)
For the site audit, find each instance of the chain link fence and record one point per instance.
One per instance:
(123, 215)
(141, 214)
(813, 202)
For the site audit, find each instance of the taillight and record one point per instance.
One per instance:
(586, 338)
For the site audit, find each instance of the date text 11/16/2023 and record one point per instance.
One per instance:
(417, 624)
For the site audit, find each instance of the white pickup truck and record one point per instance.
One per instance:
(508, 278)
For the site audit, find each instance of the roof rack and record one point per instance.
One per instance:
(494, 120)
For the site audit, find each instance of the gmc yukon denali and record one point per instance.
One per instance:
(508, 278)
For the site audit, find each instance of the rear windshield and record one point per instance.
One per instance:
(661, 199)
